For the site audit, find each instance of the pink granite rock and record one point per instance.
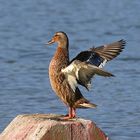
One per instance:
(51, 127)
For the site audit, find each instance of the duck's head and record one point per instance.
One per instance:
(60, 38)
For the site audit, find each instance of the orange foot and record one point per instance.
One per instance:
(72, 114)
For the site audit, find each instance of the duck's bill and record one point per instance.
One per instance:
(50, 42)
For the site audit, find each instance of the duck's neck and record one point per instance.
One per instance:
(62, 54)
(62, 51)
(60, 59)
(63, 44)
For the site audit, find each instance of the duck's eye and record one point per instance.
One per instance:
(56, 35)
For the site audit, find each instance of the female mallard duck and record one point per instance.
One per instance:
(65, 75)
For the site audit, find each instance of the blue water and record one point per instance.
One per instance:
(25, 26)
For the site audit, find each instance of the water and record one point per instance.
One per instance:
(25, 26)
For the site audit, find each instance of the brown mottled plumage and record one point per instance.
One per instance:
(65, 75)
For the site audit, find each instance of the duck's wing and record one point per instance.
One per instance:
(110, 51)
(87, 63)
(79, 72)
(100, 55)
(89, 56)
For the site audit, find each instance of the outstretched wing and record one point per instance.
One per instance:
(110, 51)
(81, 73)
(100, 55)
(87, 63)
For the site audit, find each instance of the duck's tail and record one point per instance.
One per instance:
(87, 105)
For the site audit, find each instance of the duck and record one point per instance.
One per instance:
(66, 75)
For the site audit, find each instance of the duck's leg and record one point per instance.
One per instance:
(72, 113)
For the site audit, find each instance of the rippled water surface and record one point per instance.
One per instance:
(25, 26)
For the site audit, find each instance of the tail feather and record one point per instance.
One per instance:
(88, 105)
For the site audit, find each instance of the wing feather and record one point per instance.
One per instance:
(88, 63)
(82, 72)
(111, 50)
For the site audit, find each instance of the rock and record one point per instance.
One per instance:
(51, 127)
